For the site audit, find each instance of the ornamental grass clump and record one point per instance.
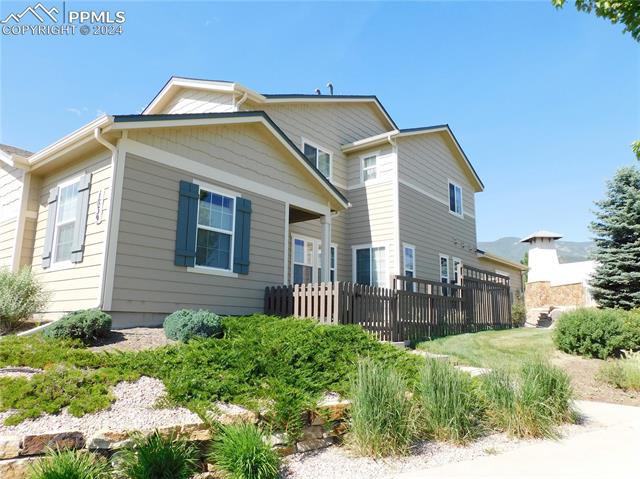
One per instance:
(157, 457)
(381, 411)
(623, 373)
(449, 407)
(70, 464)
(530, 404)
(241, 451)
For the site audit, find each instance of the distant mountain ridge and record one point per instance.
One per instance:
(510, 247)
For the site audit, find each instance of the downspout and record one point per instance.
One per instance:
(396, 206)
(97, 133)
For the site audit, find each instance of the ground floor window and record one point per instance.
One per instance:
(444, 269)
(371, 265)
(307, 254)
(216, 218)
(457, 270)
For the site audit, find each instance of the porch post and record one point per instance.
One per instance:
(325, 257)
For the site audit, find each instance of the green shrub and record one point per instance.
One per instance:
(449, 406)
(597, 333)
(158, 457)
(530, 404)
(21, 296)
(241, 451)
(518, 311)
(70, 464)
(86, 325)
(623, 373)
(381, 412)
(187, 324)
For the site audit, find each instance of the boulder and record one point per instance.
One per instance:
(9, 447)
(34, 444)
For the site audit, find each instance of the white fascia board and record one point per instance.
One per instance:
(369, 142)
(71, 140)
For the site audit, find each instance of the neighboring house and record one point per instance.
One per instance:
(216, 191)
(514, 271)
(551, 284)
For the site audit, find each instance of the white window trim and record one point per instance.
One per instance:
(375, 154)
(384, 245)
(55, 264)
(315, 251)
(326, 150)
(455, 260)
(440, 256)
(456, 185)
(198, 268)
(413, 266)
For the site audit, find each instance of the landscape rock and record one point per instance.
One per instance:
(226, 413)
(313, 444)
(15, 468)
(108, 440)
(38, 443)
(196, 432)
(312, 432)
(9, 447)
(278, 439)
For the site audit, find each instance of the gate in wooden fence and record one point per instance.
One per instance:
(412, 309)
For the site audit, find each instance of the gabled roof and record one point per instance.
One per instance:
(126, 122)
(175, 83)
(401, 133)
(540, 234)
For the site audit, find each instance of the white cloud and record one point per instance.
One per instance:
(79, 112)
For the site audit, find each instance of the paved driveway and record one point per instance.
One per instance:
(609, 452)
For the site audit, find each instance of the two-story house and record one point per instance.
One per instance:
(216, 191)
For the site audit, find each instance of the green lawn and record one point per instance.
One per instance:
(506, 348)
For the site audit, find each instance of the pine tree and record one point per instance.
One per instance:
(616, 281)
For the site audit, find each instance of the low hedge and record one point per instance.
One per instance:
(86, 325)
(598, 333)
(186, 324)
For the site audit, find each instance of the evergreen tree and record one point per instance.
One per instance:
(616, 281)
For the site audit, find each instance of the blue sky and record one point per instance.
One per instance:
(544, 102)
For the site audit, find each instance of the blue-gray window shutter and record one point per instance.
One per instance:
(187, 227)
(52, 210)
(242, 236)
(79, 233)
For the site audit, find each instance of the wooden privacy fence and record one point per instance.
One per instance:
(413, 309)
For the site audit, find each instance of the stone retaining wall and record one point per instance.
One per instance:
(541, 294)
(321, 428)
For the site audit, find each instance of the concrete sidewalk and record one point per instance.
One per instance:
(609, 452)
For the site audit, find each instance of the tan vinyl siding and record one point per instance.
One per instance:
(428, 162)
(200, 101)
(428, 225)
(147, 284)
(515, 275)
(76, 286)
(248, 151)
(10, 192)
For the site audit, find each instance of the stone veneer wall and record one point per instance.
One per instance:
(542, 295)
(322, 427)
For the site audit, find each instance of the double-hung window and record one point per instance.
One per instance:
(369, 168)
(302, 261)
(371, 265)
(319, 157)
(66, 218)
(455, 199)
(457, 270)
(332, 264)
(409, 261)
(444, 269)
(214, 242)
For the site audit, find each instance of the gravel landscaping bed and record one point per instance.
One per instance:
(339, 463)
(132, 339)
(134, 409)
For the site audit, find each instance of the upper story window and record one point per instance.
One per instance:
(214, 242)
(318, 156)
(369, 168)
(66, 218)
(455, 199)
